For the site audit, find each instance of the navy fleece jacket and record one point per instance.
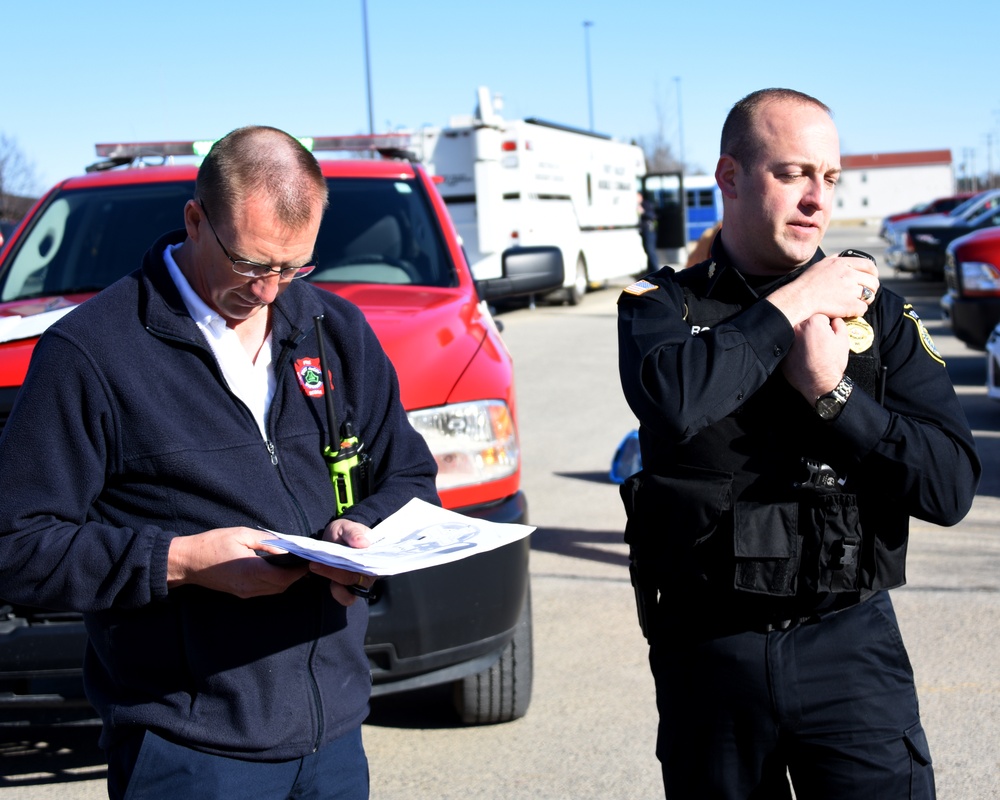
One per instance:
(126, 435)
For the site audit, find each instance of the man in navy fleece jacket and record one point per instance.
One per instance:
(137, 483)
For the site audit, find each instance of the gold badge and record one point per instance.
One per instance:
(861, 332)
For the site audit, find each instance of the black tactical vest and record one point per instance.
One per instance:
(768, 500)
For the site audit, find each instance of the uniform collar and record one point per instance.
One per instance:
(726, 278)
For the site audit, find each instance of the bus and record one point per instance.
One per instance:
(700, 209)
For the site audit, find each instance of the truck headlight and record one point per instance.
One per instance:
(472, 442)
(980, 277)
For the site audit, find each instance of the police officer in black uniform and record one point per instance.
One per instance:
(793, 416)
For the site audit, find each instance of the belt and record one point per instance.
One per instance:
(787, 624)
(717, 621)
(816, 616)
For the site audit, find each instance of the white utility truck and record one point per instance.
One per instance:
(529, 182)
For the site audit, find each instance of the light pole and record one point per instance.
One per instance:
(680, 122)
(368, 67)
(590, 91)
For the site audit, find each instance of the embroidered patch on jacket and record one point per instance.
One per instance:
(925, 337)
(640, 287)
(310, 375)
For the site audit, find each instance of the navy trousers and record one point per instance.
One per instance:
(830, 704)
(148, 767)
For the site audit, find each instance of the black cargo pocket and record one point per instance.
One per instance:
(921, 770)
(835, 549)
(766, 546)
(916, 743)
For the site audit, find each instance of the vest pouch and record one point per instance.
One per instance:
(767, 548)
(834, 545)
(672, 518)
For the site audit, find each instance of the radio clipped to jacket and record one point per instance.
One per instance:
(345, 455)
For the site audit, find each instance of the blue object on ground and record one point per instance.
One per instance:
(627, 460)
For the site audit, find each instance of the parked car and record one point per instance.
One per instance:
(939, 205)
(6, 229)
(899, 245)
(388, 245)
(993, 364)
(971, 302)
(927, 245)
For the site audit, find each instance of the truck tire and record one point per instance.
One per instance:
(502, 692)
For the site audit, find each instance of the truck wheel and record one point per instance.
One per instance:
(575, 293)
(502, 692)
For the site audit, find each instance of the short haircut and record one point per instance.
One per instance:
(259, 160)
(740, 138)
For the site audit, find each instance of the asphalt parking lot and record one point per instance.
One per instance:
(590, 730)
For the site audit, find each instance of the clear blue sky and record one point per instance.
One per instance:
(898, 75)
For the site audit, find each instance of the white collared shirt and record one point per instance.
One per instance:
(251, 381)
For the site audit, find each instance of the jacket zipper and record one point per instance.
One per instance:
(297, 335)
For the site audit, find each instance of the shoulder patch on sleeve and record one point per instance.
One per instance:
(640, 287)
(922, 332)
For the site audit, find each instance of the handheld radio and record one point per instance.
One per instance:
(345, 456)
(883, 370)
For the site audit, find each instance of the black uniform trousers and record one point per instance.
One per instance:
(830, 703)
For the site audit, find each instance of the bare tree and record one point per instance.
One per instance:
(18, 183)
(659, 154)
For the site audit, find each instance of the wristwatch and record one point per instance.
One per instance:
(829, 405)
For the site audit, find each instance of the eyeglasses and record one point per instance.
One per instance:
(251, 269)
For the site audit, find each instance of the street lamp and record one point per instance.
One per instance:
(590, 91)
(368, 65)
(680, 123)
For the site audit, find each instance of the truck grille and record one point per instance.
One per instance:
(951, 273)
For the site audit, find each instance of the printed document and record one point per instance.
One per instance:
(419, 535)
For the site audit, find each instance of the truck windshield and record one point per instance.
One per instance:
(85, 240)
(374, 231)
(381, 231)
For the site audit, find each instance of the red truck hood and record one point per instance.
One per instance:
(21, 323)
(430, 335)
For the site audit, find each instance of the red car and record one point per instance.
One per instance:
(388, 245)
(6, 229)
(940, 205)
(972, 277)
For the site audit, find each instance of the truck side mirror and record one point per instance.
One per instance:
(524, 271)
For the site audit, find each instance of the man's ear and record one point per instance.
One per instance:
(193, 215)
(725, 175)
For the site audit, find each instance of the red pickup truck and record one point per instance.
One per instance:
(388, 245)
(972, 277)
